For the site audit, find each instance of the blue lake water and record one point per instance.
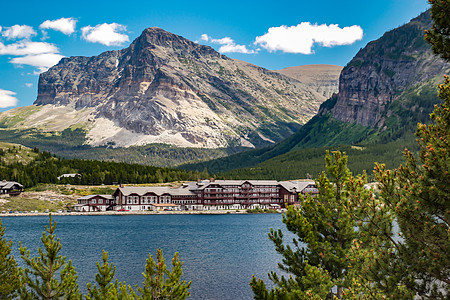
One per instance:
(220, 252)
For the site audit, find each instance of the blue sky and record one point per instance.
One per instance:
(272, 34)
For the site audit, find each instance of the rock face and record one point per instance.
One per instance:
(382, 70)
(164, 88)
(324, 79)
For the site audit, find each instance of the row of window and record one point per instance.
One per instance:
(184, 201)
(93, 201)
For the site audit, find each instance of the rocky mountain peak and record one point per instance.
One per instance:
(383, 69)
(164, 88)
(156, 37)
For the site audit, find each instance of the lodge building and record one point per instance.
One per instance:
(202, 195)
(10, 188)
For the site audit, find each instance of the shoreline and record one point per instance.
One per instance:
(125, 213)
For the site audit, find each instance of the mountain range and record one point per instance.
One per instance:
(166, 89)
(165, 100)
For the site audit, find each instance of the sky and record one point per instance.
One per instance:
(34, 35)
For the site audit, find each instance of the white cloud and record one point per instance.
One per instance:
(37, 54)
(7, 99)
(106, 34)
(18, 32)
(301, 38)
(26, 48)
(28, 84)
(41, 61)
(228, 45)
(65, 25)
(205, 37)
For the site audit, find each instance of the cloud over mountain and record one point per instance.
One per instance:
(302, 37)
(106, 34)
(228, 45)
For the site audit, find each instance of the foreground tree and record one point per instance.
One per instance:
(106, 288)
(9, 273)
(318, 264)
(439, 34)
(419, 194)
(39, 277)
(160, 283)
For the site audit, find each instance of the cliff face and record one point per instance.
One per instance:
(383, 70)
(165, 88)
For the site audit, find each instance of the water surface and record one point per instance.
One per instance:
(220, 252)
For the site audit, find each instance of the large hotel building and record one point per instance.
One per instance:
(201, 195)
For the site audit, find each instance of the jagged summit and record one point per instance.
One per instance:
(155, 36)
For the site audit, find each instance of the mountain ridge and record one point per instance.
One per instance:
(164, 88)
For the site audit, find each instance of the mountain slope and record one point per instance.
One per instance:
(387, 88)
(166, 89)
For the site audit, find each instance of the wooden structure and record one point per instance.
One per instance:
(10, 188)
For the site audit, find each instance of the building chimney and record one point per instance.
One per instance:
(211, 179)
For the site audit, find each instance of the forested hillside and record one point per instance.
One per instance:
(45, 168)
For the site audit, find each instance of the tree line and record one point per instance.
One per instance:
(46, 168)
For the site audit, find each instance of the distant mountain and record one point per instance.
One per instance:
(166, 89)
(387, 88)
(324, 79)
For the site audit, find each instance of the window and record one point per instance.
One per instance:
(93, 201)
(100, 201)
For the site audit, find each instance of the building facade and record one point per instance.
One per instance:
(214, 195)
(95, 203)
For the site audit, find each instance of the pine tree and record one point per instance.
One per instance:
(107, 289)
(9, 273)
(39, 277)
(419, 194)
(161, 283)
(325, 229)
(439, 34)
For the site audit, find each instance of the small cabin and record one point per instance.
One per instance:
(10, 188)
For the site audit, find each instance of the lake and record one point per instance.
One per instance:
(220, 252)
